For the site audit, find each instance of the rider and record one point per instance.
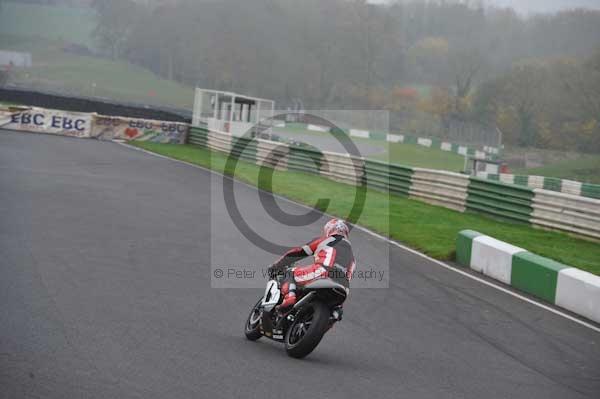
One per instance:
(333, 258)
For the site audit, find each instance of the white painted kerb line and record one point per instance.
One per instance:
(379, 236)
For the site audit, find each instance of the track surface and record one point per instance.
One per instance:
(105, 293)
(326, 142)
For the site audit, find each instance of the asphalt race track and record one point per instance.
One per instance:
(105, 293)
(326, 142)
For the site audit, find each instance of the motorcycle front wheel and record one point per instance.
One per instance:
(307, 330)
(252, 328)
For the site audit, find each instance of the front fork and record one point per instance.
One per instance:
(282, 321)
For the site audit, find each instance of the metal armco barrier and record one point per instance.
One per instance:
(198, 136)
(388, 177)
(219, 142)
(547, 183)
(566, 212)
(437, 187)
(304, 160)
(500, 200)
(245, 148)
(343, 168)
(516, 203)
(272, 154)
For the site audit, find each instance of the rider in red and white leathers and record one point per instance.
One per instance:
(333, 258)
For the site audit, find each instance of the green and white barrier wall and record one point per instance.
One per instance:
(567, 287)
(546, 183)
(485, 152)
(500, 200)
(539, 207)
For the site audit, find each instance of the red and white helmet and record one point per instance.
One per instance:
(336, 226)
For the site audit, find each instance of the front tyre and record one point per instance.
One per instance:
(252, 328)
(307, 330)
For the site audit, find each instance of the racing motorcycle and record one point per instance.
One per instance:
(301, 327)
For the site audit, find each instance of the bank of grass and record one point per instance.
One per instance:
(399, 153)
(585, 169)
(46, 30)
(6, 104)
(429, 229)
(55, 70)
(422, 157)
(72, 24)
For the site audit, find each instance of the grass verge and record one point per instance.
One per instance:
(429, 229)
(6, 104)
(585, 169)
(422, 157)
(399, 153)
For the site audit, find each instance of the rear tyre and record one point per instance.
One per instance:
(252, 328)
(307, 330)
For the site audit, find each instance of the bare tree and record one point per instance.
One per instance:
(116, 19)
(465, 66)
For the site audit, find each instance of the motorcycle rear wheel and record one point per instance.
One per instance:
(252, 328)
(307, 330)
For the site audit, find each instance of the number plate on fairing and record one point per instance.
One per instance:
(272, 295)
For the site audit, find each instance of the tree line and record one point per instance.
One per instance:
(433, 64)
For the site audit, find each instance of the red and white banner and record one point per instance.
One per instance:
(77, 124)
(109, 127)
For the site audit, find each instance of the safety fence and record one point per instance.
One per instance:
(566, 212)
(442, 188)
(485, 152)
(546, 183)
(388, 177)
(500, 200)
(509, 202)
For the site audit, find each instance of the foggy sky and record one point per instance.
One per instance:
(534, 6)
(529, 6)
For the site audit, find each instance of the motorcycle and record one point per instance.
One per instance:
(300, 328)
